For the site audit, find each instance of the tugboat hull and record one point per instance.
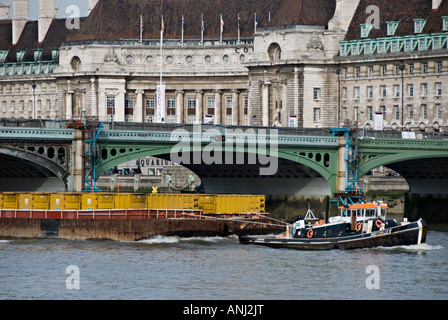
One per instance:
(406, 234)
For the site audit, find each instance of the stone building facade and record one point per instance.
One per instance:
(307, 63)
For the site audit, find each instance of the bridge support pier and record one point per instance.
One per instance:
(77, 163)
(342, 150)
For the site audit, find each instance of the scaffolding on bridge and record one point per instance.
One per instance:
(91, 129)
(353, 194)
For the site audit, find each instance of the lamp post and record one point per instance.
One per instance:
(338, 72)
(402, 67)
(34, 99)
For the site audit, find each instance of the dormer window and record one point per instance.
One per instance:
(392, 27)
(419, 24)
(444, 23)
(365, 30)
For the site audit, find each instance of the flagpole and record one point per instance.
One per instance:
(161, 50)
(239, 34)
(202, 30)
(182, 41)
(220, 34)
(141, 29)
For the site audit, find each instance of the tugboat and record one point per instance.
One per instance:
(358, 226)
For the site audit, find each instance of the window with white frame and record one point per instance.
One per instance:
(171, 102)
(110, 101)
(316, 114)
(410, 112)
(444, 23)
(392, 27)
(438, 88)
(419, 24)
(397, 90)
(425, 67)
(356, 92)
(397, 112)
(410, 90)
(438, 110)
(369, 91)
(424, 89)
(316, 94)
(369, 113)
(384, 71)
(191, 102)
(129, 102)
(424, 111)
(383, 90)
(150, 102)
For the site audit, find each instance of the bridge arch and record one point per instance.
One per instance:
(31, 171)
(291, 163)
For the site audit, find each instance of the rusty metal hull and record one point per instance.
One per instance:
(127, 230)
(408, 234)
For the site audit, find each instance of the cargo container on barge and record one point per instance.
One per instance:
(128, 217)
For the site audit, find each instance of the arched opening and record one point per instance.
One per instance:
(274, 52)
(75, 63)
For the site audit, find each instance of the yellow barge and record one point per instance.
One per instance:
(128, 216)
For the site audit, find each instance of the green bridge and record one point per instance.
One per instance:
(227, 159)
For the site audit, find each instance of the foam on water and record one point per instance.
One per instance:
(174, 239)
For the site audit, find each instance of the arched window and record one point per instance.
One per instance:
(274, 52)
(75, 63)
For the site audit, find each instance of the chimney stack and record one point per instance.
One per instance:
(4, 11)
(436, 4)
(20, 18)
(46, 15)
(92, 4)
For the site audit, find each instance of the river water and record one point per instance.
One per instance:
(215, 268)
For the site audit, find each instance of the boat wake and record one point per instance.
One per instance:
(175, 239)
(413, 248)
(4, 241)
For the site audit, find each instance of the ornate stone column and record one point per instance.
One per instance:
(138, 109)
(218, 106)
(235, 107)
(119, 106)
(199, 107)
(265, 103)
(180, 106)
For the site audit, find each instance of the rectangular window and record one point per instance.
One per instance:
(229, 102)
(191, 103)
(129, 102)
(370, 71)
(171, 102)
(439, 67)
(344, 93)
(369, 113)
(316, 94)
(410, 90)
(439, 110)
(211, 103)
(110, 102)
(357, 72)
(410, 112)
(411, 68)
(425, 67)
(369, 92)
(445, 24)
(397, 112)
(384, 71)
(397, 90)
(419, 24)
(438, 88)
(383, 91)
(424, 111)
(424, 90)
(150, 103)
(357, 93)
(316, 114)
(356, 113)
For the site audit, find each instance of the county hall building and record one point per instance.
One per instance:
(304, 63)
